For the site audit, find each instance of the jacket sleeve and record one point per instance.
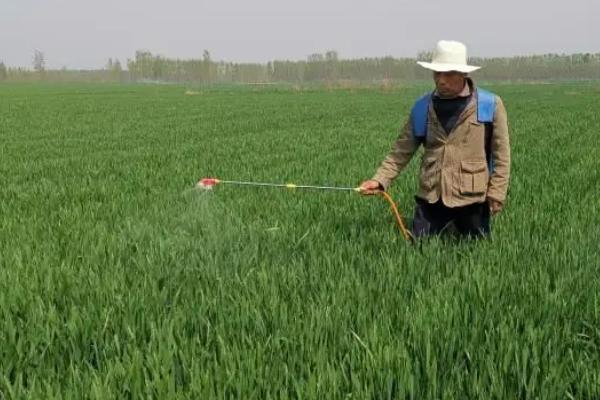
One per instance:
(500, 147)
(402, 151)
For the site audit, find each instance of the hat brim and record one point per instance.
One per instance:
(439, 67)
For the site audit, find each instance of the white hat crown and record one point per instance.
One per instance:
(450, 52)
(449, 55)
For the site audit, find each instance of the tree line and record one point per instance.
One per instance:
(325, 67)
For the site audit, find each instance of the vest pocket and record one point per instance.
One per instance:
(473, 177)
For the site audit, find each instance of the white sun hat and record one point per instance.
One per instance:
(449, 56)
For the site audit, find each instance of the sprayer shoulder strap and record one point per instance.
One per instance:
(486, 109)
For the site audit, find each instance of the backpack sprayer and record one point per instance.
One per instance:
(210, 183)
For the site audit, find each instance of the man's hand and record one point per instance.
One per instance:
(495, 206)
(370, 187)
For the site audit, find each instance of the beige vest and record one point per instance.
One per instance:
(454, 166)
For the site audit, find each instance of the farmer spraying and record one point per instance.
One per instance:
(465, 167)
(466, 164)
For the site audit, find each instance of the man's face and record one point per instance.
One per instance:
(449, 84)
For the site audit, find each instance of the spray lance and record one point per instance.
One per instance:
(210, 183)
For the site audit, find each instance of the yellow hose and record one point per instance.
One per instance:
(405, 232)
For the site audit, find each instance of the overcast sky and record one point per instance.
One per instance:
(85, 33)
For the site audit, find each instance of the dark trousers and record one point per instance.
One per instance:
(433, 219)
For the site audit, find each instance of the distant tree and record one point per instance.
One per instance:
(331, 55)
(143, 64)
(206, 66)
(331, 70)
(132, 68)
(116, 67)
(424, 56)
(316, 57)
(315, 68)
(39, 61)
(158, 67)
(3, 72)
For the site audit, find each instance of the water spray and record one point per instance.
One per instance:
(210, 183)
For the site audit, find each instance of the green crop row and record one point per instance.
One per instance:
(119, 280)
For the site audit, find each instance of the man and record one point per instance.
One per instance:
(466, 162)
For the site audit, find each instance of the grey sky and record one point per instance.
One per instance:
(84, 33)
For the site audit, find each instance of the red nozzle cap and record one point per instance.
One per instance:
(209, 181)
